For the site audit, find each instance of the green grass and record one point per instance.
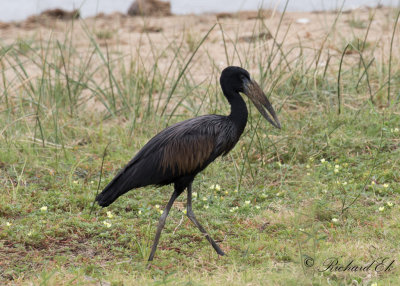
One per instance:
(326, 185)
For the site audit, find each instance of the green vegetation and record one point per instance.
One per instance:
(326, 185)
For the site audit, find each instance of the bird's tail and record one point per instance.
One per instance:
(116, 188)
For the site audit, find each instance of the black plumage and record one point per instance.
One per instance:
(179, 152)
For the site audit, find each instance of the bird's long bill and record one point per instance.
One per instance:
(257, 96)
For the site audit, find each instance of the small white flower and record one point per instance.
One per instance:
(109, 214)
(344, 183)
(258, 207)
(232, 210)
(308, 166)
(92, 182)
(161, 211)
(386, 186)
(43, 209)
(247, 202)
(335, 220)
(381, 209)
(336, 170)
(337, 166)
(301, 229)
(212, 187)
(308, 174)
(75, 182)
(206, 206)
(139, 212)
(8, 224)
(204, 198)
(194, 194)
(322, 160)
(390, 204)
(29, 233)
(217, 187)
(107, 224)
(157, 206)
(374, 284)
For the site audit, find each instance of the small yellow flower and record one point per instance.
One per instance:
(311, 159)
(43, 209)
(335, 220)
(92, 182)
(212, 187)
(390, 204)
(29, 233)
(381, 209)
(232, 210)
(194, 194)
(374, 284)
(217, 187)
(337, 166)
(184, 211)
(107, 224)
(247, 202)
(336, 170)
(157, 206)
(279, 164)
(206, 206)
(161, 211)
(372, 182)
(204, 198)
(139, 212)
(258, 207)
(386, 186)
(301, 229)
(8, 224)
(344, 183)
(308, 166)
(75, 182)
(308, 174)
(235, 191)
(226, 192)
(109, 214)
(322, 160)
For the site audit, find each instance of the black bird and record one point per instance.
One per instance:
(179, 152)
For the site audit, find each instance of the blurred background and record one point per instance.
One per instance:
(20, 9)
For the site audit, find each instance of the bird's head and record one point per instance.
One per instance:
(239, 80)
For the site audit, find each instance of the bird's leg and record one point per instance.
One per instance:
(191, 216)
(161, 223)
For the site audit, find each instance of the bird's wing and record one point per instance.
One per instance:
(178, 150)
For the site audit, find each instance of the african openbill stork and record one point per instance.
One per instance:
(179, 152)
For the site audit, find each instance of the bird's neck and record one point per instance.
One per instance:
(239, 112)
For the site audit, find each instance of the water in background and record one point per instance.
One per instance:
(14, 10)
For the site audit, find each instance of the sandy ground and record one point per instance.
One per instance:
(150, 39)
